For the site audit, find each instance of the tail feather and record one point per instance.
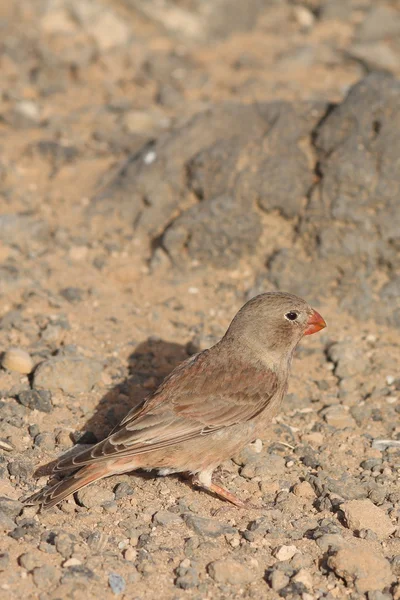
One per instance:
(51, 496)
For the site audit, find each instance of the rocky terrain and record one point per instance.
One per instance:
(162, 161)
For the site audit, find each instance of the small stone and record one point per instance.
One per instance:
(108, 31)
(305, 578)
(45, 576)
(363, 514)
(94, 496)
(36, 400)
(71, 562)
(285, 552)
(207, 527)
(72, 294)
(304, 490)
(11, 508)
(337, 416)
(70, 374)
(116, 583)
(166, 518)
(30, 560)
(230, 571)
(187, 578)
(16, 359)
(365, 568)
(4, 561)
(130, 554)
(6, 523)
(45, 441)
(278, 580)
(122, 490)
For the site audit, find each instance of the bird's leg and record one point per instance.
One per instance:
(203, 480)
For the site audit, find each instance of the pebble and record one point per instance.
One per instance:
(363, 514)
(45, 576)
(16, 359)
(264, 465)
(4, 560)
(230, 571)
(207, 527)
(45, 441)
(278, 580)
(122, 490)
(304, 490)
(130, 554)
(70, 374)
(337, 416)
(166, 518)
(11, 508)
(94, 496)
(116, 583)
(362, 566)
(304, 577)
(36, 400)
(108, 31)
(187, 577)
(30, 560)
(285, 552)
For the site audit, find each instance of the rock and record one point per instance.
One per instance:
(36, 400)
(72, 294)
(24, 229)
(72, 375)
(304, 577)
(265, 465)
(337, 416)
(166, 518)
(130, 554)
(229, 571)
(207, 527)
(349, 359)
(365, 568)
(363, 514)
(217, 232)
(45, 576)
(108, 31)
(16, 359)
(94, 496)
(30, 560)
(122, 490)
(381, 22)
(9, 507)
(187, 578)
(376, 56)
(278, 580)
(304, 490)
(4, 561)
(6, 523)
(116, 583)
(285, 552)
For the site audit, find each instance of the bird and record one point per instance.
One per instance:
(207, 409)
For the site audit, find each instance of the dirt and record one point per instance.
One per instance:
(161, 163)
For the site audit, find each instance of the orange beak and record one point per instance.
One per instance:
(315, 323)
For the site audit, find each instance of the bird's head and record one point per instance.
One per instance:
(275, 321)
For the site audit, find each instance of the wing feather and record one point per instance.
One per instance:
(199, 397)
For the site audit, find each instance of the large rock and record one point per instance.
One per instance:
(206, 194)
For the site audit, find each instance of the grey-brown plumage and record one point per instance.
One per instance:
(208, 408)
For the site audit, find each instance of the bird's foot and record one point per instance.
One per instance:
(224, 494)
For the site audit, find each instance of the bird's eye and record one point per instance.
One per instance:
(291, 316)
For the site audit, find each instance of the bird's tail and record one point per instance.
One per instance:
(51, 496)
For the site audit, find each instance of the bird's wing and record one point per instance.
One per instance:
(201, 396)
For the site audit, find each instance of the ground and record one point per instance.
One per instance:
(161, 163)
